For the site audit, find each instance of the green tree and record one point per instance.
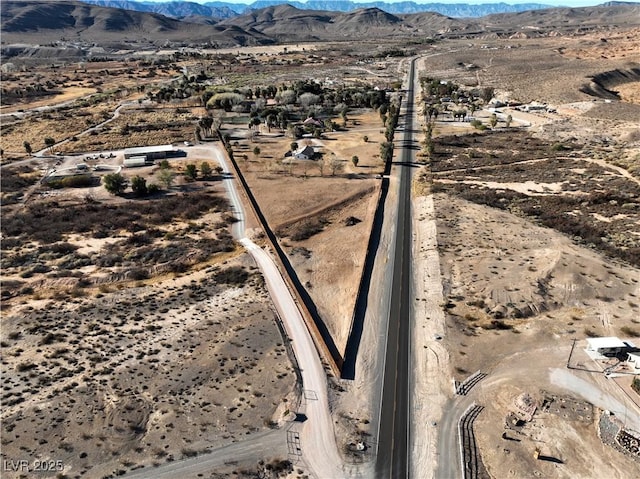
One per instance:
(166, 177)
(343, 115)
(164, 165)
(205, 169)
(191, 171)
(271, 121)
(294, 145)
(355, 160)
(256, 151)
(493, 120)
(139, 186)
(487, 94)
(477, 124)
(27, 147)
(365, 138)
(115, 183)
(49, 142)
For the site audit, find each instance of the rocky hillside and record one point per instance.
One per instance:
(219, 10)
(284, 22)
(48, 22)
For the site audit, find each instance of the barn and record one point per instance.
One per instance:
(151, 153)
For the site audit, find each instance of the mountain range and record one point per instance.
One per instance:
(70, 22)
(223, 10)
(43, 22)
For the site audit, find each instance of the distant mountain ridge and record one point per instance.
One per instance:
(70, 22)
(42, 22)
(216, 10)
(224, 10)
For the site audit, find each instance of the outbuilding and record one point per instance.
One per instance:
(135, 161)
(608, 347)
(634, 361)
(158, 152)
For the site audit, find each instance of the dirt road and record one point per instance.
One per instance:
(317, 437)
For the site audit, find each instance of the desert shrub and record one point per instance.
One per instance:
(11, 243)
(36, 269)
(61, 249)
(234, 275)
(75, 181)
(559, 147)
(108, 260)
(75, 262)
(189, 452)
(139, 186)
(10, 287)
(139, 239)
(25, 366)
(138, 274)
(279, 466)
(51, 338)
(305, 229)
(590, 333)
(636, 385)
(16, 179)
(48, 222)
(631, 332)
(498, 324)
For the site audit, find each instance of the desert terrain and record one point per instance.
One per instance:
(523, 273)
(137, 332)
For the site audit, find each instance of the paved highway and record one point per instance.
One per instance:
(394, 438)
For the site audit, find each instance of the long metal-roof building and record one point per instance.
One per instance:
(150, 152)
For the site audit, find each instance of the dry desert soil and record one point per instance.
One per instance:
(137, 332)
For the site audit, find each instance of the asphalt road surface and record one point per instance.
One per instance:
(393, 447)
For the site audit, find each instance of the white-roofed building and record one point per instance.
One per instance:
(634, 361)
(607, 347)
(150, 152)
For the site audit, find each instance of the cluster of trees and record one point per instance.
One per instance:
(304, 93)
(391, 122)
(117, 184)
(11, 95)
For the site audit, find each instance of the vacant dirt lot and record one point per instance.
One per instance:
(144, 375)
(563, 186)
(498, 269)
(321, 209)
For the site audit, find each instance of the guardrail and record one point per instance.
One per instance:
(469, 457)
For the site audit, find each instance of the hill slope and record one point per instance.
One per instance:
(181, 9)
(42, 22)
(46, 22)
(285, 22)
